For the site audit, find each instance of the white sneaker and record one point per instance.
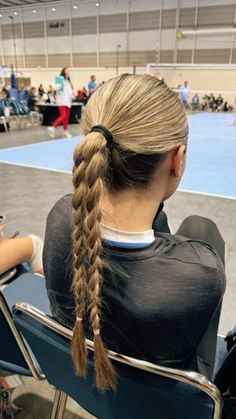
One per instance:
(67, 134)
(51, 132)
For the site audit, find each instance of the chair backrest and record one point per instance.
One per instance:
(144, 390)
(225, 377)
(11, 357)
(15, 355)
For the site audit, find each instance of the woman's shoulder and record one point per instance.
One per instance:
(61, 212)
(196, 254)
(64, 204)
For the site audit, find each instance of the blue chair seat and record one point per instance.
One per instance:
(28, 287)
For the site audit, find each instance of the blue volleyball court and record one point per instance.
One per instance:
(211, 156)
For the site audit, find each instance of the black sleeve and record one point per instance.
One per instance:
(57, 260)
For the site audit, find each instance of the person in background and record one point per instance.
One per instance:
(226, 107)
(50, 89)
(212, 102)
(85, 92)
(65, 95)
(195, 102)
(41, 90)
(32, 99)
(233, 108)
(51, 98)
(204, 103)
(92, 86)
(219, 102)
(184, 94)
(13, 78)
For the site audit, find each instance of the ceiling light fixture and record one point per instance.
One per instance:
(53, 9)
(75, 7)
(34, 11)
(15, 13)
(97, 4)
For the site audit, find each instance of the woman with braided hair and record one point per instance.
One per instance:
(109, 275)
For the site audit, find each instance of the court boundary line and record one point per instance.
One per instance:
(40, 142)
(70, 172)
(36, 167)
(208, 194)
(213, 137)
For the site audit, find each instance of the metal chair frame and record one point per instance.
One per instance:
(33, 367)
(7, 276)
(3, 120)
(189, 377)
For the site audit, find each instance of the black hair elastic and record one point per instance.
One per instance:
(105, 132)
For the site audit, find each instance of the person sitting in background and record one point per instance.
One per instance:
(219, 102)
(15, 251)
(6, 91)
(86, 95)
(225, 107)
(41, 90)
(82, 96)
(212, 102)
(32, 99)
(50, 89)
(139, 292)
(85, 92)
(51, 95)
(195, 102)
(52, 98)
(204, 103)
(92, 86)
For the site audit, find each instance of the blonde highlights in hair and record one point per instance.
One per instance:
(146, 119)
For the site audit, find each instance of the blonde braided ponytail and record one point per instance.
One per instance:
(88, 179)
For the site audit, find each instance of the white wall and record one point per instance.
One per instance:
(205, 79)
(84, 43)
(140, 40)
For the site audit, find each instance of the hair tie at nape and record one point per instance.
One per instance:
(105, 132)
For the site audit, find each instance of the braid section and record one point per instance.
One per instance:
(90, 167)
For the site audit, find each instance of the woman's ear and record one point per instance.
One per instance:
(178, 162)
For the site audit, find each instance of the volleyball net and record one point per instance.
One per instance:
(207, 81)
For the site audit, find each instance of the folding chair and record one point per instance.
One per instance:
(144, 390)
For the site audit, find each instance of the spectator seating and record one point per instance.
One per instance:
(18, 111)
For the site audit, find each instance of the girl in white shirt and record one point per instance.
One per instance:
(64, 99)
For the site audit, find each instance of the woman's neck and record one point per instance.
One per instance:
(130, 210)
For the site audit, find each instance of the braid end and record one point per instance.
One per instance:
(78, 349)
(105, 378)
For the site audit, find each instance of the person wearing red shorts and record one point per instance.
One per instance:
(64, 91)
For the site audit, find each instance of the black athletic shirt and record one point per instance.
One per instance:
(158, 300)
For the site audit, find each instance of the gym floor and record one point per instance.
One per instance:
(28, 193)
